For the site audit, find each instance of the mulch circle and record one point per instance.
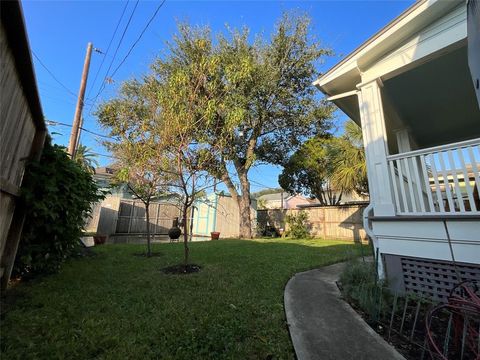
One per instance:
(181, 269)
(144, 254)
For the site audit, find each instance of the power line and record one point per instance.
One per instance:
(108, 48)
(114, 55)
(54, 123)
(129, 51)
(260, 184)
(139, 38)
(52, 75)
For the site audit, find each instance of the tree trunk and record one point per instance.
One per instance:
(149, 247)
(245, 218)
(185, 235)
(244, 203)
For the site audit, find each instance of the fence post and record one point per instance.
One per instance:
(132, 204)
(324, 223)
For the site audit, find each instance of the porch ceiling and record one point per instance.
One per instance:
(437, 100)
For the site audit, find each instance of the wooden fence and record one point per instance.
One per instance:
(132, 217)
(329, 222)
(22, 131)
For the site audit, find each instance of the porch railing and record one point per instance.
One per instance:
(439, 180)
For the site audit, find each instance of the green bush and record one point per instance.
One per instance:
(298, 225)
(360, 286)
(58, 194)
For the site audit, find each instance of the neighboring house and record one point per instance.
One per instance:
(287, 201)
(219, 212)
(282, 200)
(104, 177)
(411, 90)
(23, 129)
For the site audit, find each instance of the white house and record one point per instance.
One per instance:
(412, 91)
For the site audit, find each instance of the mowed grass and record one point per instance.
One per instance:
(119, 306)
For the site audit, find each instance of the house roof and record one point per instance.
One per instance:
(344, 76)
(278, 197)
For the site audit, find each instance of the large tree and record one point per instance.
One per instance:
(253, 98)
(327, 167)
(86, 158)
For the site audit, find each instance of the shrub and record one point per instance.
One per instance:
(58, 194)
(298, 225)
(360, 287)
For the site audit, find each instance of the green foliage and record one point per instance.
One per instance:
(257, 194)
(297, 225)
(58, 194)
(326, 167)
(118, 306)
(86, 158)
(360, 286)
(240, 101)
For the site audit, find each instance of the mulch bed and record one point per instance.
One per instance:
(181, 269)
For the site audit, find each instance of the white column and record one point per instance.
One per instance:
(403, 140)
(376, 149)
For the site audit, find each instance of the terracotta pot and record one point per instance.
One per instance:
(99, 239)
(215, 235)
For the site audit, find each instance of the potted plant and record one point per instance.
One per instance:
(215, 235)
(99, 239)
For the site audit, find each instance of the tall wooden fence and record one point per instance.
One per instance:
(22, 129)
(329, 222)
(132, 217)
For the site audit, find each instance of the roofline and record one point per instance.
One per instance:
(374, 37)
(13, 22)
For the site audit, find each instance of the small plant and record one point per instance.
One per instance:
(361, 287)
(297, 225)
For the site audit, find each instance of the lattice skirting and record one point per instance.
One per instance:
(427, 277)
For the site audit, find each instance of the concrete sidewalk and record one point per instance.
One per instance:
(323, 326)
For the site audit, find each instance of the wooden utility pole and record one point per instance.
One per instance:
(72, 144)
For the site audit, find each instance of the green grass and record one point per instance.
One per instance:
(119, 306)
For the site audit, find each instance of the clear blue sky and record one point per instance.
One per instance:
(59, 32)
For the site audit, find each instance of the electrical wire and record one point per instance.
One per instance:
(53, 75)
(139, 38)
(108, 47)
(53, 123)
(102, 87)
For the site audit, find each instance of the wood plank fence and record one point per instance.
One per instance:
(328, 222)
(132, 217)
(22, 129)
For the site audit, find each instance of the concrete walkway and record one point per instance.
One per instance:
(323, 326)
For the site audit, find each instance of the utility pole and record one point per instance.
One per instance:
(72, 144)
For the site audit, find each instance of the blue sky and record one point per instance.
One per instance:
(59, 32)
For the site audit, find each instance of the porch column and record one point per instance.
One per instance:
(376, 149)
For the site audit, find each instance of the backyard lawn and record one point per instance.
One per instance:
(119, 306)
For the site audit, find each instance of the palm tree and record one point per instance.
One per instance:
(350, 167)
(86, 158)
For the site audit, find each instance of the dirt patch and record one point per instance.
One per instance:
(181, 269)
(144, 254)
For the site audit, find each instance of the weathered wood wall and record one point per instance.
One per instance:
(132, 217)
(22, 129)
(329, 222)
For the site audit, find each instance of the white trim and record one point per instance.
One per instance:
(427, 151)
(343, 95)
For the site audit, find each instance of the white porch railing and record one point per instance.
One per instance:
(441, 180)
